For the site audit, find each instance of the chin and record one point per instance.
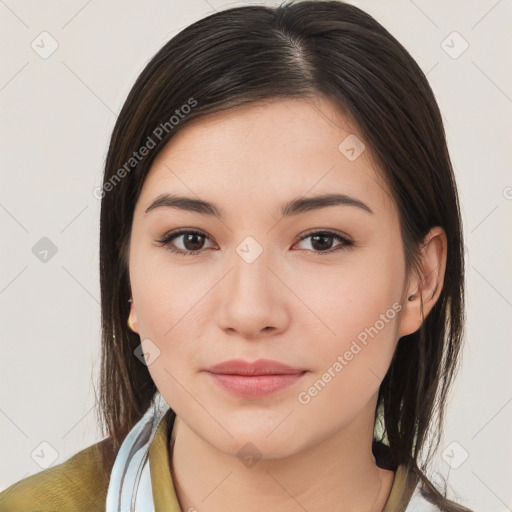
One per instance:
(252, 449)
(261, 441)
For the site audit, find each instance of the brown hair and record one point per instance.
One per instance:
(245, 54)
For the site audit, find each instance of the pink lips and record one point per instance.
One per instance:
(256, 379)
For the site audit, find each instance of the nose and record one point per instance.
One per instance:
(254, 301)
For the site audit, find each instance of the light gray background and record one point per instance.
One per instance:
(57, 114)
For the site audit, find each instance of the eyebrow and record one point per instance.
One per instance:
(294, 207)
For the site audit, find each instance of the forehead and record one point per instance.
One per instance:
(273, 150)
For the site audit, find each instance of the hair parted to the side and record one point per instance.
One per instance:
(299, 50)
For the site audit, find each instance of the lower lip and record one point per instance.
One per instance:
(257, 385)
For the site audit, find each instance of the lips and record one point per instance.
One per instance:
(254, 380)
(259, 367)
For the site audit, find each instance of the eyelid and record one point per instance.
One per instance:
(335, 232)
(171, 235)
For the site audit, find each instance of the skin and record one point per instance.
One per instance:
(292, 304)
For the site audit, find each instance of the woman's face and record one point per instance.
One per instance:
(253, 289)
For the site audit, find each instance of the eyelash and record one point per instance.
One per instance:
(165, 241)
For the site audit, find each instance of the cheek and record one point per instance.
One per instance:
(172, 312)
(347, 299)
(351, 364)
(356, 329)
(163, 292)
(169, 320)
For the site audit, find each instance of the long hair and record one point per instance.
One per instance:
(296, 50)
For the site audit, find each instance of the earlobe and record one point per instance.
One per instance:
(410, 318)
(424, 290)
(133, 322)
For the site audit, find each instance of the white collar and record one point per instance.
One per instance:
(130, 487)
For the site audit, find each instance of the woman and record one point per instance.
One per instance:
(280, 227)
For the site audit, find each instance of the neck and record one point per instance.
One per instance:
(339, 474)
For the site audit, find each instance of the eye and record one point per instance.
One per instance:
(193, 241)
(323, 240)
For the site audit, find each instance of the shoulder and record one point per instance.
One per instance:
(77, 484)
(406, 493)
(418, 503)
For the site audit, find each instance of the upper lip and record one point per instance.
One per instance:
(259, 367)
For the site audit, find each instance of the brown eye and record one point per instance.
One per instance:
(322, 241)
(192, 242)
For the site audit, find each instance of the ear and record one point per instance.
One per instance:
(133, 321)
(424, 289)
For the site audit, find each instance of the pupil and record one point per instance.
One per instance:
(321, 237)
(190, 237)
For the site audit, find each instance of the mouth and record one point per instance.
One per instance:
(255, 368)
(255, 386)
(254, 380)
